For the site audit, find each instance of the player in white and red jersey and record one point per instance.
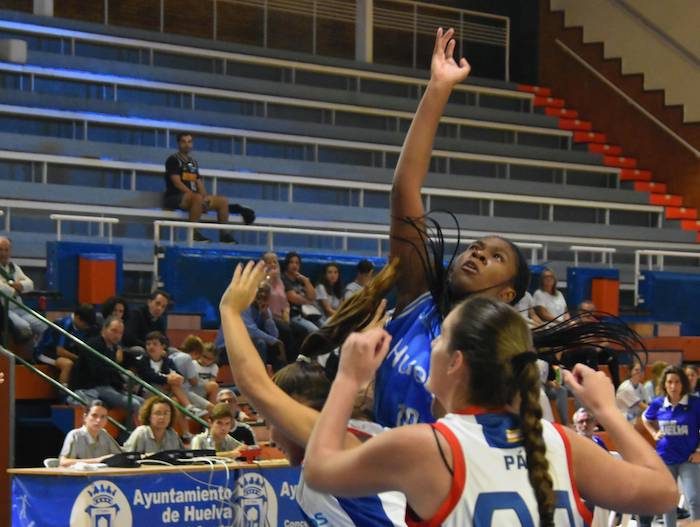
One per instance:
(491, 460)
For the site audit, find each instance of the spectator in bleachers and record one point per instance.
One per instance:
(548, 300)
(652, 387)
(300, 293)
(207, 369)
(184, 189)
(156, 368)
(526, 307)
(218, 436)
(14, 283)
(691, 371)
(185, 363)
(115, 306)
(365, 270)
(90, 443)
(262, 329)
(241, 431)
(329, 290)
(156, 434)
(145, 319)
(630, 396)
(93, 378)
(55, 349)
(585, 424)
(290, 334)
(673, 419)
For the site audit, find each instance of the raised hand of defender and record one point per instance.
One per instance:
(241, 292)
(444, 68)
(361, 355)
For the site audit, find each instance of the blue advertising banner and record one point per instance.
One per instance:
(248, 497)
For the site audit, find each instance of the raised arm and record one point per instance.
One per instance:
(293, 418)
(640, 482)
(414, 161)
(379, 464)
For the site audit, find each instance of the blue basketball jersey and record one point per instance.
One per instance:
(400, 396)
(387, 509)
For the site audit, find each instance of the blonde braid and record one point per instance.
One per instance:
(528, 382)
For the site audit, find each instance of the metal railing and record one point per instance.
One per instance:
(102, 221)
(67, 391)
(131, 378)
(411, 17)
(606, 253)
(659, 262)
(240, 138)
(228, 59)
(345, 235)
(112, 87)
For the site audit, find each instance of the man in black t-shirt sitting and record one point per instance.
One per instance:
(185, 189)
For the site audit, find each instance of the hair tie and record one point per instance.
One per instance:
(303, 358)
(521, 360)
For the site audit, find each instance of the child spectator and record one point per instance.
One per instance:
(217, 437)
(90, 443)
(185, 363)
(365, 269)
(329, 290)
(585, 424)
(241, 431)
(207, 370)
(157, 434)
(156, 368)
(55, 349)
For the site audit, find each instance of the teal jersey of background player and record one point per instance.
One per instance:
(400, 396)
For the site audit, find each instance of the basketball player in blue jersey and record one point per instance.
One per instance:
(491, 266)
(673, 419)
(290, 403)
(492, 460)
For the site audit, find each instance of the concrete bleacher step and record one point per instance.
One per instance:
(589, 137)
(666, 200)
(605, 149)
(629, 174)
(619, 162)
(575, 125)
(540, 91)
(185, 321)
(29, 386)
(548, 102)
(681, 213)
(566, 113)
(653, 187)
(689, 346)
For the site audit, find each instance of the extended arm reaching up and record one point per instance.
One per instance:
(413, 164)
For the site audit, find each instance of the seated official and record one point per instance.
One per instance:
(241, 431)
(90, 443)
(55, 349)
(157, 434)
(217, 437)
(184, 189)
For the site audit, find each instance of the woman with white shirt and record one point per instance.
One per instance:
(548, 300)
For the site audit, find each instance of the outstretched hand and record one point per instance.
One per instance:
(241, 292)
(593, 388)
(444, 68)
(362, 354)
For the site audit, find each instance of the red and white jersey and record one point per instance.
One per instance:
(490, 486)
